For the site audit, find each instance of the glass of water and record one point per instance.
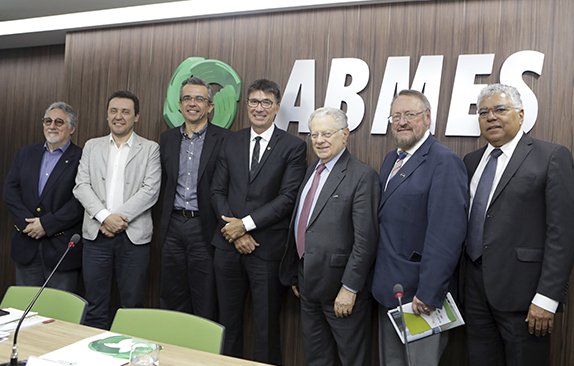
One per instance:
(144, 354)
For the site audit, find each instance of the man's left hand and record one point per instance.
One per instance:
(233, 230)
(34, 229)
(344, 303)
(540, 321)
(420, 307)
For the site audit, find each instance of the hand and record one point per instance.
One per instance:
(344, 303)
(295, 290)
(106, 232)
(116, 223)
(34, 229)
(245, 244)
(420, 307)
(233, 230)
(539, 321)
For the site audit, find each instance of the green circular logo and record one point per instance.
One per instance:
(213, 72)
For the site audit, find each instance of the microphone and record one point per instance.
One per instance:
(398, 290)
(14, 356)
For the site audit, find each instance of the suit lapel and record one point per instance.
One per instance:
(173, 149)
(35, 169)
(135, 149)
(335, 178)
(208, 146)
(65, 161)
(268, 150)
(407, 169)
(520, 153)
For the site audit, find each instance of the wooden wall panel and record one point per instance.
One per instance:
(142, 59)
(31, 79)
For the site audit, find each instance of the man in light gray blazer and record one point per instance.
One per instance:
(118, 182)
(332, 245)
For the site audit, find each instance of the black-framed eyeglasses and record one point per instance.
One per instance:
(47, 121)
(265, 103)
(408, 116)
(197, 98)
(498, 110)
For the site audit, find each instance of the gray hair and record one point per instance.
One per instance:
(194, 80)
(510, 91)
(413, 93)
(338, 115)
(65, 107)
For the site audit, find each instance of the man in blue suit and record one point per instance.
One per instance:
(422, 222)
(38, 193)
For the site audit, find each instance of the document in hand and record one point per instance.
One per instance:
(421, 326)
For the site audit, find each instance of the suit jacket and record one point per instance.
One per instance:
(528, 242)
(422, 219)
(170, 142)
(341, 237)
(269, 196)
(60, 213)
(142, 178)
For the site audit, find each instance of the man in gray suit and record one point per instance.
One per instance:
(331, 246)
(118, 182)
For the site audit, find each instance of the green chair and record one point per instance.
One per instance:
(52, 303)
(173, 327)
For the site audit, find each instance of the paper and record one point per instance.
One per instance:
(15, 315)
(110, 349)
(421, 326)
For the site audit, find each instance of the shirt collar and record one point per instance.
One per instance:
(129, 142)
(331, 163)
(62, 148)
(413, 150)
(198, 133)
(508, 148)
(265, 135)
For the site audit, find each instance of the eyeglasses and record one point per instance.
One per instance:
(265, 103)
(498, 110)
(48, 122)
(197, 98)
(325, 134)
(409, 116)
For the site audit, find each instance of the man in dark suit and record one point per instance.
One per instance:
(38, 193)
(422, 219)
(258, 173)
(331, 246)
(519, 250)
(188, 157)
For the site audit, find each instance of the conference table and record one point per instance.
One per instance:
(43, 338)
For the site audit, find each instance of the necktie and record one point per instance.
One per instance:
(397, 166)
(306, 210)
(478, 210)
(255, 155)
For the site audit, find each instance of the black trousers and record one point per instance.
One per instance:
(187, 278)
(498, 338)
(235, 274)
(104, 257)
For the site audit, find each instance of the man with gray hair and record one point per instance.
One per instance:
(188, 222)
(519, 248)
(38, 193)
(331, 246)
(422, 222)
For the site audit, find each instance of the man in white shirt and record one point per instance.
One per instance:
(118, 182)
(519, 251)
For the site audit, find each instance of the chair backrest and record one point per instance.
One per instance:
(52, 303)
(173, 327)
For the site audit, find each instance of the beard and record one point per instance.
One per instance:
(53, 139)
(406, 143)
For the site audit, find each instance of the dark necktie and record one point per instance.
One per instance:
(255, 155)
(306, 210)
(478, 210)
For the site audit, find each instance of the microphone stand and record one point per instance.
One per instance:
(14, 356)
(398, 289)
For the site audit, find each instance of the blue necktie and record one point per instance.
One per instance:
(478, 210)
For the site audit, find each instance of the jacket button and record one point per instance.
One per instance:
(38, 209)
